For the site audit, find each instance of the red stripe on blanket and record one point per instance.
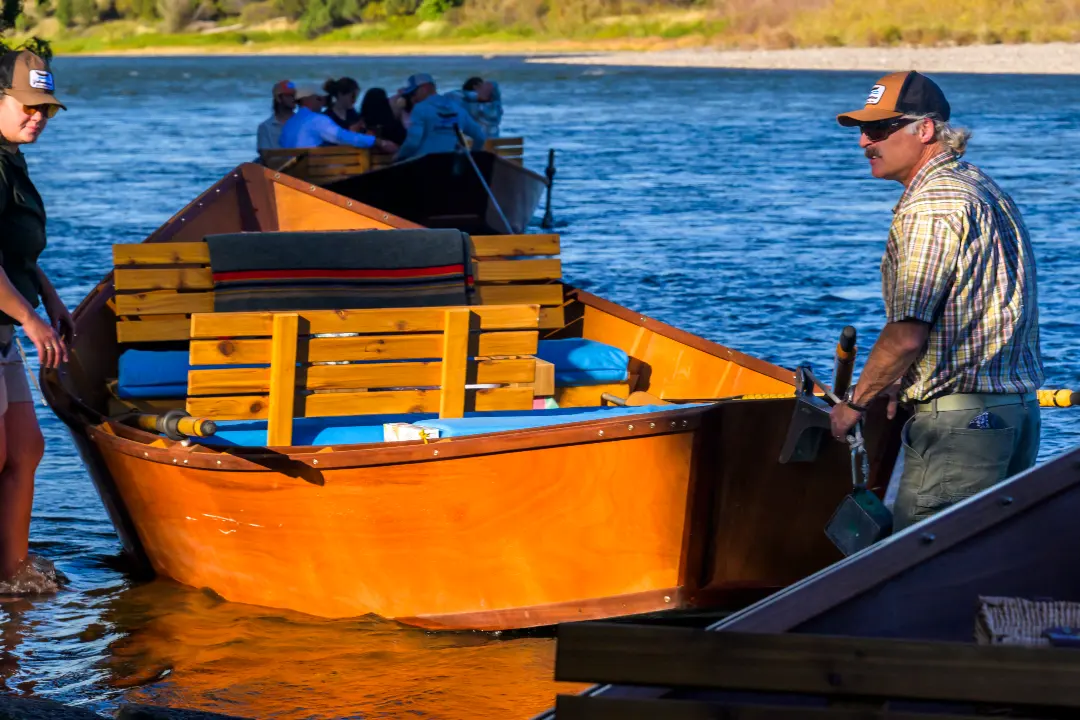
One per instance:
(329, 273)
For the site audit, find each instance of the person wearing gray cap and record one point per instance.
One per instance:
(433, 119)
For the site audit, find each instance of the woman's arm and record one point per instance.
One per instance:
(50, 346)
(54, 306)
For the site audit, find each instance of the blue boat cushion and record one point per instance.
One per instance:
(579, 361)
(360, 429)
(157, 373)
(152, 374)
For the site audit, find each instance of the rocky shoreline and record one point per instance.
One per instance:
(14, 707)
(1050, 58)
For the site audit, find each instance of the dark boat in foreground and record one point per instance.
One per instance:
(443, 191)
(965, 614)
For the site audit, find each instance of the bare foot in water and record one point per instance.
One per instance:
(35, 576)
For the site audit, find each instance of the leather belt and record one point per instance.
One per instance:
(973, 401)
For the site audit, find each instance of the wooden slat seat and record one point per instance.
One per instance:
(326, 363)
(323, 165)
(520, 269)
(508, 148)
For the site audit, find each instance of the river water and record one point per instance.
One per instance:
(727, 203)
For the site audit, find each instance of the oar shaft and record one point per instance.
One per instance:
(845, 361)
(1059, 398)
(174, 425)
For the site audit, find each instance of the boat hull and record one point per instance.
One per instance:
(443, 191)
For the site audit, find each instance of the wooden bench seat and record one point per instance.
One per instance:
(414, 360)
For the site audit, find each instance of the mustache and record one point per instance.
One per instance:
(871, 153)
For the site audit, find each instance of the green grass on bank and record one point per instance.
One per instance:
(604, 24)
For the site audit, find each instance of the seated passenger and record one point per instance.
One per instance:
(310, 128)
(483, 101)
(433, 120)
(284, 96)
(342, 95)
(377, 116)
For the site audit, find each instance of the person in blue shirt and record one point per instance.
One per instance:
(483, 100)
(311, 128)
(431, 128)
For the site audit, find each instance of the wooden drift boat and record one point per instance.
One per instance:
(516, 493)
(970, 613)
(439, 191)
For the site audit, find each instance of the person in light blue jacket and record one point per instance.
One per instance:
(431, 128)
(483, 101)
(310, 128)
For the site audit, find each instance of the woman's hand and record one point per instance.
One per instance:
(51, 348)
(61, 319)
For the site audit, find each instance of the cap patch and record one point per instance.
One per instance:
(875, 95)
(41, 80)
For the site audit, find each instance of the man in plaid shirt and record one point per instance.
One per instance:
(961, 342)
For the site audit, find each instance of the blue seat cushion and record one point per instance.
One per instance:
(345, 430)
(579, 361)
(152, 374)
(157, 373)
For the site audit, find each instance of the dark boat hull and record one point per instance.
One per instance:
(443, 190)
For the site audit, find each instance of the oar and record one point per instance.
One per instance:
(1059, 398)
(174, 424)
(480, 175)
(845, 361)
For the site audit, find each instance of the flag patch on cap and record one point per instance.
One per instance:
(41, 80)
(875, 95)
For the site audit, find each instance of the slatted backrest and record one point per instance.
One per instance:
(325, 363)
(323, 165)
(158, 286)
(509, 148)
(520, 269)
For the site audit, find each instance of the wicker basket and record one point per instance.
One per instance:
(1017, 621)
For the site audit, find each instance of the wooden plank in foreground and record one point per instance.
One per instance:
(818, 664)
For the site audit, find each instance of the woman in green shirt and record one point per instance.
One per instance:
(26, 104)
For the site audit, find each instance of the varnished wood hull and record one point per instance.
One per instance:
(442, 190)
(687, 507)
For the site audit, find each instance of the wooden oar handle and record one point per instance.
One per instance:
(845, 361)
(176, 425)
(1059, 398)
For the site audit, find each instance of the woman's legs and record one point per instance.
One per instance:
(21, 449)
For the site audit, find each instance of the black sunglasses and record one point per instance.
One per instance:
(882, 129)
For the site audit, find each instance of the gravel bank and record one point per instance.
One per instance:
(1051, 58)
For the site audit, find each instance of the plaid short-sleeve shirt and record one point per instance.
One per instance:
(959, 258)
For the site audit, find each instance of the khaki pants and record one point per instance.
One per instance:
(13, 385)
(945, 461)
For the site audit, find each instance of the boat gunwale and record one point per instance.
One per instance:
(416, 160)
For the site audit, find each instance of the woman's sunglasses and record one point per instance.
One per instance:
(882, 129)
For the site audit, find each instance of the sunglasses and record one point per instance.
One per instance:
(882, 129)
(48, 110)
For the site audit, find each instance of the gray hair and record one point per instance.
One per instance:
(954, 138)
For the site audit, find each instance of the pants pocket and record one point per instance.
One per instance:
(969, 461)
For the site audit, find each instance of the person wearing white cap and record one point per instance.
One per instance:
(311, 128)
(26, 104)
(433, 119)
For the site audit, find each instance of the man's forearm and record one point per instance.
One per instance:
(895, 351)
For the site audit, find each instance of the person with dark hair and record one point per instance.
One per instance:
(482, 99)
(26, 104)
(284, 105)
(310, 128)
(377, 116)
(341, 97)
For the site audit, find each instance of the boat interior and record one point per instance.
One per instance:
(228, 312)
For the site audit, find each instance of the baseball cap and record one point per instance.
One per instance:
(413, 82)
(31, 81)
(899, 94)
(284, 87)
(308, 91)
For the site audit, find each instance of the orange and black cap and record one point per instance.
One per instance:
(27, 78)
(896, 95)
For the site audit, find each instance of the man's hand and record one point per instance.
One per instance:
(843, 417)
(893, 393)
(386, 146)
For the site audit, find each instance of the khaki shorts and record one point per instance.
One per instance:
(13, 385)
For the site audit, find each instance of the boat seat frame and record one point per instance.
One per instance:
(326, 363)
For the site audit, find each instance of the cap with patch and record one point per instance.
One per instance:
(31, 81)
(898, 94)
(285, 87)
(413, 83)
